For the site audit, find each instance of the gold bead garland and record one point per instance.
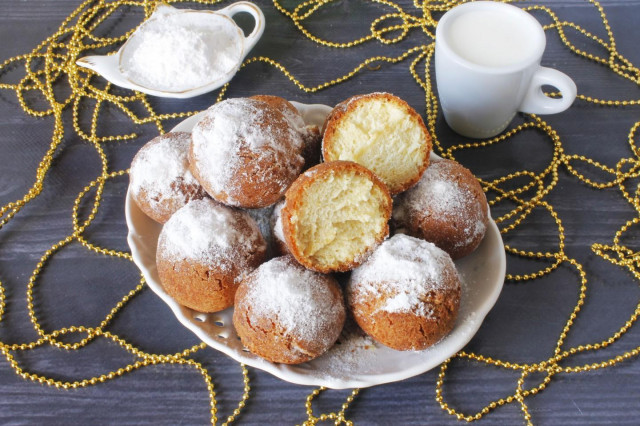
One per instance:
(52, 63)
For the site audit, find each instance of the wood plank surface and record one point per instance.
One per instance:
(78, 287)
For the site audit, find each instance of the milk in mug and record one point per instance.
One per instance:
(489, 39)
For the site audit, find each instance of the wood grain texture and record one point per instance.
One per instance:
(79, 287)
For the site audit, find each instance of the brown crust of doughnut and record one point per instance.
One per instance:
(253, 192)
(269, 341)
(280, 247)
(310, 134)
(281, 104)
(446, 234)
(203, 287)
(311, 152)
(294, 200)
(195, 287)
(342, 110)
(408, 331)
(171, 205)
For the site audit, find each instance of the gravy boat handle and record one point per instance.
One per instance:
(258, 17)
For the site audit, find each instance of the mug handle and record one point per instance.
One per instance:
(536, 102)
(258, 17)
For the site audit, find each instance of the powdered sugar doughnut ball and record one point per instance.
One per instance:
(161, 181)
(245, 153)
(446, 207)
(286, 313)
(406, 295)
(204, 250)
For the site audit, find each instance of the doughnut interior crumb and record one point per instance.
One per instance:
(381, 136)
(336, 218)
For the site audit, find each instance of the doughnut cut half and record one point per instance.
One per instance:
(381, 132)
(334, 215)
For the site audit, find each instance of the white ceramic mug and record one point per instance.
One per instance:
(488, 68)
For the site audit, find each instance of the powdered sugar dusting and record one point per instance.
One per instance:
(211, 234)
(406, 269)
(311, 173)
(294, 118)
(354, 351)
(234, 142)
(294, 297)
(161, 170)
(439, 195)
(448, 196)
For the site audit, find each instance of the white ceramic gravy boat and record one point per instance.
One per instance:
(111, 67)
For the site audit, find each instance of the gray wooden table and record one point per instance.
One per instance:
(78, 287)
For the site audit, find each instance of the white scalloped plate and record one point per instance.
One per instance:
(356, 361)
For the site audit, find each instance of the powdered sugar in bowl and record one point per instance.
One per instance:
(181, 53)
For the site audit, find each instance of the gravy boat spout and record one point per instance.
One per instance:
(108, 67)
